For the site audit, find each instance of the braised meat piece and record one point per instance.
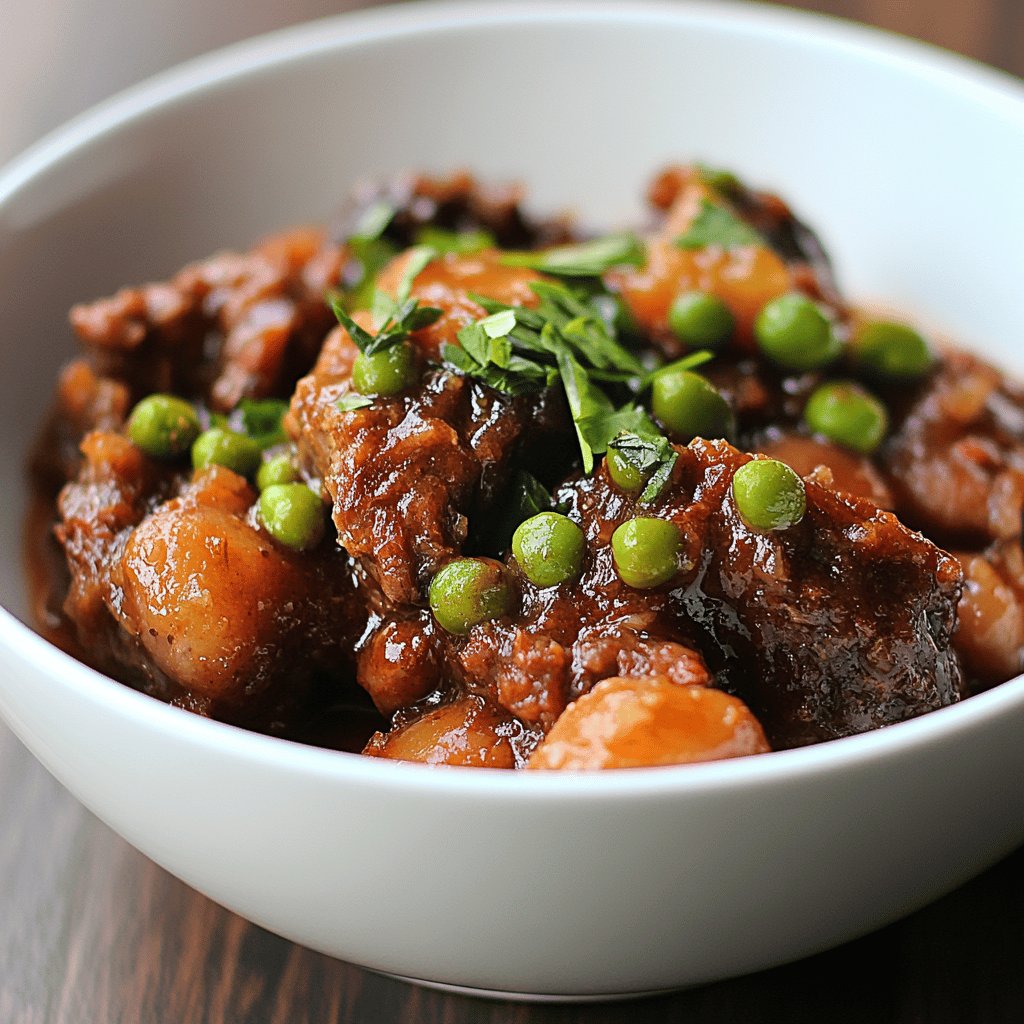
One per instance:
(456, 203)
(956, 460)
(990, 628)
(174, 586)
(410, 473)
(234, 326)
(115, 490)
(83, 402)
(839, 624)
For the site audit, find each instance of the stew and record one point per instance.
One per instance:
(442, 482)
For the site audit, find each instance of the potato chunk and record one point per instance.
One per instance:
(636, 723)
(213, 601)
(470, 731)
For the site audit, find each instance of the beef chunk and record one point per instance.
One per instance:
(410, 473)
(457, 202)
(84, 402)
(233, 326)
(834, 626)
(990, 628)
(115, 489)
(838, 625)
(955, 461)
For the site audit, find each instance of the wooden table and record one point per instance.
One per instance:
(91, 932)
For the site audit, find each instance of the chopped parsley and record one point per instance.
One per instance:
(261, 420)
(582, 259)
(720, 180)
(651, 455)
(565, 339)
(352, 401)
(458, 243)
(374, 221)
(530, 496)
(717, 225)
(371, 252)
(688, 362)
(395, 317)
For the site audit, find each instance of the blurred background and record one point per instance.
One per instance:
(58, 57)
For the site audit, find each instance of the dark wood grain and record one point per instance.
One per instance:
(91, 932)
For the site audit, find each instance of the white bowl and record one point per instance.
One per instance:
(908, 160)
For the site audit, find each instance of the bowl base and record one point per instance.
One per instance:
(530, 997)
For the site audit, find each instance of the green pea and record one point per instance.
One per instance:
(891, 350)
(689, 405)
(793, 331)
(293, 515)
(280, 469)
(769, 495)
(219, 446)
(468, 591)
(847, 414)
(386, 372)
(549, 549)
(701, 320)
(624, 474)
(647, 552)
(163, 426)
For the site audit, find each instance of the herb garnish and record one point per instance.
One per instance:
(261, 420)
(720, 180)
(374, 221)
(651, 455)
(516, 349)
(458, 243)
(716, 225)
(352, 401)
(371, 252)
(395, 317)
(582, 259)
(522, 499)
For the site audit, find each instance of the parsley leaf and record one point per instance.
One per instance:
(352, 401)
(460, 243)
(564, 339)
(370, 253)
(522, 498)
(419, 257)
(374, 221)
(582, 259)
(394, 317)
(722, 181)
(651, 455)
(518, 349)
(716, 225)
(530, 496)
(689, 362)
(261, 420)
